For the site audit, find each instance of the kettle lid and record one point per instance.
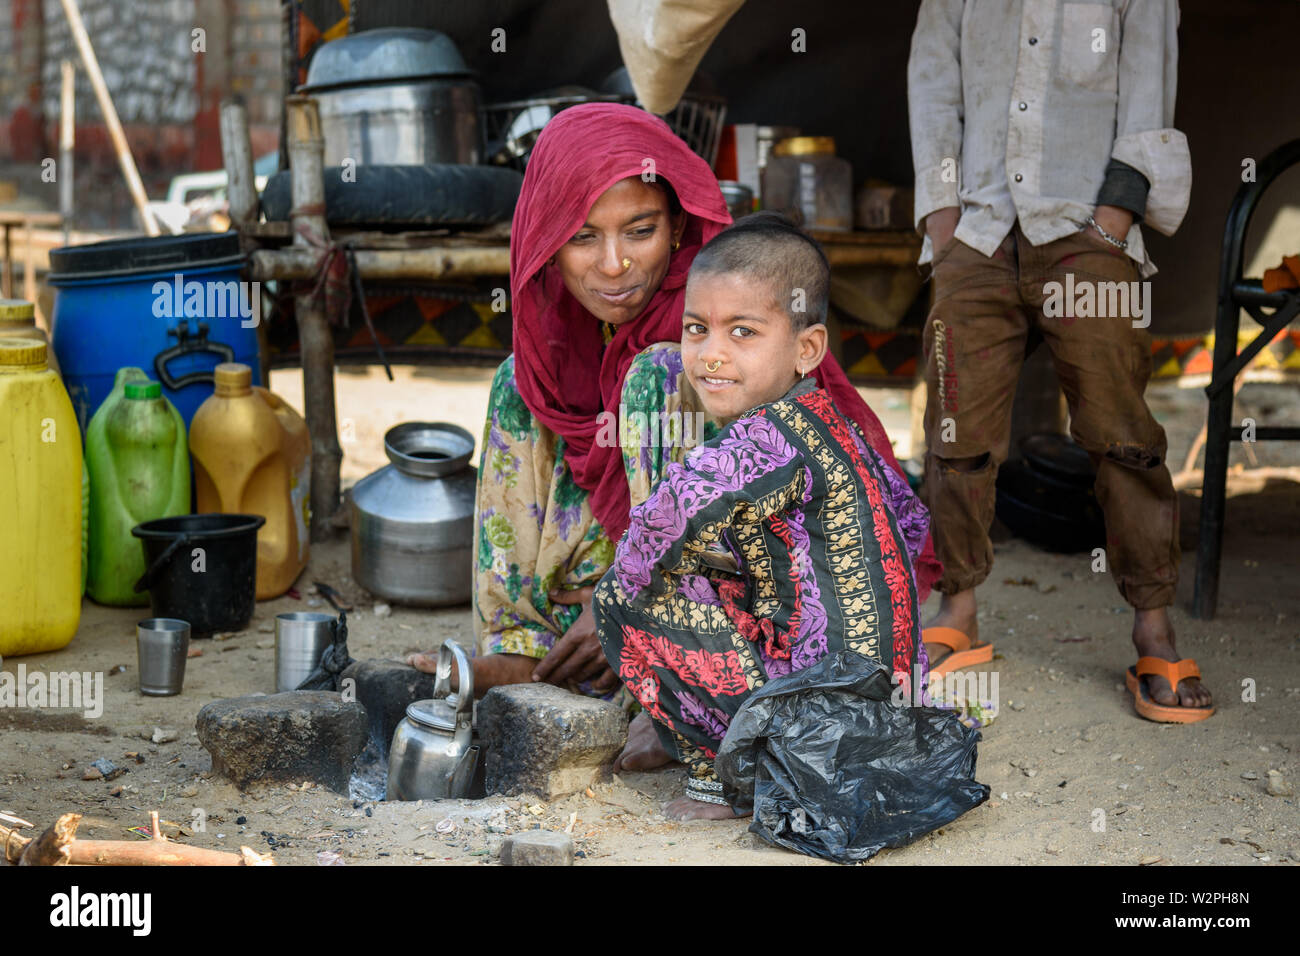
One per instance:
(440, 713)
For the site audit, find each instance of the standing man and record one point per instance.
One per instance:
(1041, 137)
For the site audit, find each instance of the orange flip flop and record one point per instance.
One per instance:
(1172, 671)
(963, 655)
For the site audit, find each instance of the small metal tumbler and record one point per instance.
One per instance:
(162, 647)
(300, 639)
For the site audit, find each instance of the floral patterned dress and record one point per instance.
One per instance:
(822, 535)
(534, 529)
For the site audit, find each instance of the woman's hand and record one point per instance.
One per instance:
(577, 656)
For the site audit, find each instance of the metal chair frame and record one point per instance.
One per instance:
(1237, 293)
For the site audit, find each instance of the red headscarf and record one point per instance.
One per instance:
(581, 153)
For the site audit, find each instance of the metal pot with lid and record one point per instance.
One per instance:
(413, 520)
(432, 756)
(396, 96)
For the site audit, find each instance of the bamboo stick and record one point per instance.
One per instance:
(299, 262)
(124, 158)
(237, 157)
(310, 234)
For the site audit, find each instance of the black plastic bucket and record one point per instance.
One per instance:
(212, 587)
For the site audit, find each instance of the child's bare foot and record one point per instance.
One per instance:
(684, 808)
(1153, 636)
(643, 751)
(956, 611)
(490, 671)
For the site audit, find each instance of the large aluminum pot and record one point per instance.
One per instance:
(398, 96)
(413, 520)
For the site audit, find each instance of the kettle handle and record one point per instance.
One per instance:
(442, 683)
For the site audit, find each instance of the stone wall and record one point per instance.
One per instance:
(143, 48)
(167, 64)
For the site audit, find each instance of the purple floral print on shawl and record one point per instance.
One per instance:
(709, 719)
(909, 512)
(749, 449)
(698, 588)
(810, 644)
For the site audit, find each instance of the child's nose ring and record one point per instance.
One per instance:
(713, 366)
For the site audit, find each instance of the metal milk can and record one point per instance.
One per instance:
(432, 757)
(413, 520)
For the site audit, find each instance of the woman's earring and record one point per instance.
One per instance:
(677, 244)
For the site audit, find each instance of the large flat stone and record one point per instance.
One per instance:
(538, 848)
(385, 688)
(284, 738)
(544, 740)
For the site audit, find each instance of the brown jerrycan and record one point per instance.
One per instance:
(252, 455)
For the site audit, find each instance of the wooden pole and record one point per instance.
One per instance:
(296, 262)
(237, 157)
(67, 139)
(306, 160)
(129, 171)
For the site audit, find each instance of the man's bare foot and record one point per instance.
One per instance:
(492, 670)
(684, 808)
(643, 751)
(956, 611)
(1153, 636)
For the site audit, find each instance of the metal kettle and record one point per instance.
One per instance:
(432, 756)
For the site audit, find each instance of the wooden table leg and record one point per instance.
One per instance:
(29, 272)
(7, 277)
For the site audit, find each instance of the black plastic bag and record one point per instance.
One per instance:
(831, 767)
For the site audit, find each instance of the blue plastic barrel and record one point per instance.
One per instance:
(174, 306)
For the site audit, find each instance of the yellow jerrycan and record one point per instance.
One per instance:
(252, 455)
(40, 503)
(18, 321)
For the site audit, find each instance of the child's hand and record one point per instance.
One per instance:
(577, 656)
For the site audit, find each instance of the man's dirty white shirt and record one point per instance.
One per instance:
(1017, 107)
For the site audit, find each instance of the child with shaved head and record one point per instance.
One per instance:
(779, 541)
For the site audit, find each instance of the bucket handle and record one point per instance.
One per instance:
(184, 346)
(147, 578)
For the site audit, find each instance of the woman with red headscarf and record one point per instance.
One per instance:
(593, 406)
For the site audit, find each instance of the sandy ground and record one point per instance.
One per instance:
(1065, 754)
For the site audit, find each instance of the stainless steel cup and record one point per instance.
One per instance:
(162, 647)
(300, 639)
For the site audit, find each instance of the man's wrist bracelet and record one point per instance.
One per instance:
(1117, 243)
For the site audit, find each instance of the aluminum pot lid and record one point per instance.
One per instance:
(387, 55)
(439, 713)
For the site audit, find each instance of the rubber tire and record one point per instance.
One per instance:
(1048, 512)
(434, 195)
